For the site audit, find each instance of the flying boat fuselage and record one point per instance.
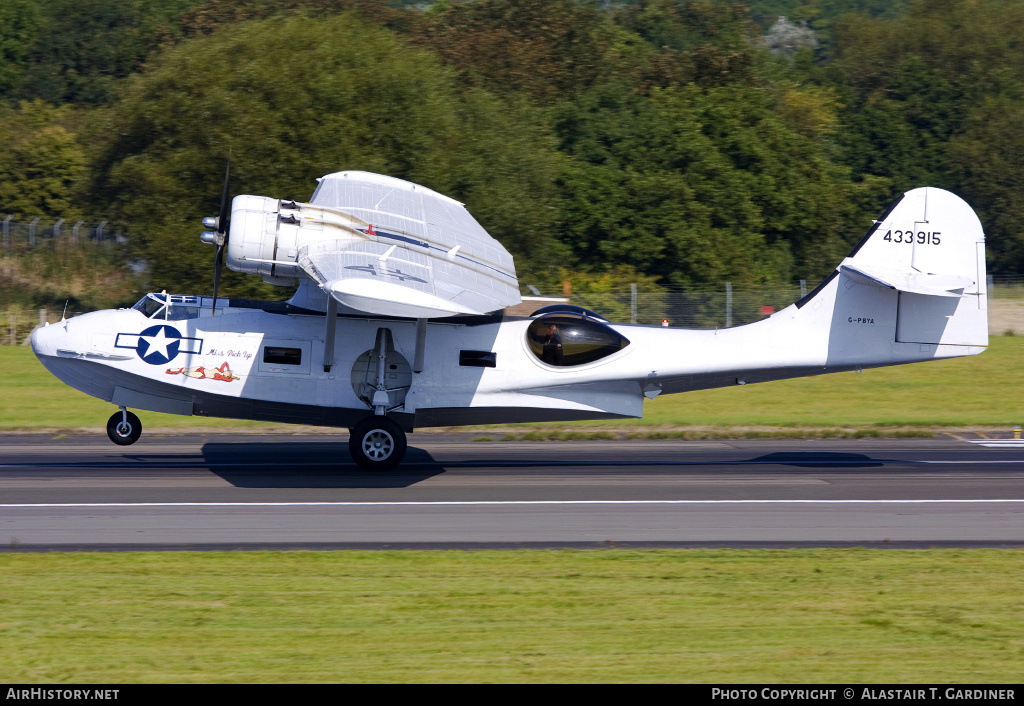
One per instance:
(385, 331)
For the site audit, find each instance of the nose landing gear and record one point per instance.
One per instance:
(124, 428)
(377, 444)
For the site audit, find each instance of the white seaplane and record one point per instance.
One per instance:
(397, 323)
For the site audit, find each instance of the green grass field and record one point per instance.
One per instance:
(615, 615)
(963, 392)
(34, 400)
(593, 616)
(972, 391)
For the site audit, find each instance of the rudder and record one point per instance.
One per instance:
(930, 247)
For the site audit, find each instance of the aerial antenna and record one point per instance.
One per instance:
(66, 302)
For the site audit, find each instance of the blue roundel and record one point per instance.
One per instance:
(159, 344)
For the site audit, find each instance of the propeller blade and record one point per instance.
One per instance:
(218, 262)
(224, 204)
(222, 236)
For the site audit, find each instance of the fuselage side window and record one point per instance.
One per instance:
(282, 355)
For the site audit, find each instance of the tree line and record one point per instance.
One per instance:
(678, 143)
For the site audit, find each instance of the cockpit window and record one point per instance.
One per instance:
(149, 305)
(183, 311)
(565, 339)
(153, 306)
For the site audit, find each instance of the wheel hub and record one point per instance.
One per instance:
(378, 445)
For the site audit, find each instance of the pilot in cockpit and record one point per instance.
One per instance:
(552, 341)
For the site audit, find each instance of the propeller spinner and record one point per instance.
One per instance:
(219, 236)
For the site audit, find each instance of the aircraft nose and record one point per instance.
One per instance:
(44, 339)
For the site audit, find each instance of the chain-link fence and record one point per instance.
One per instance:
(38, 256)
(707, 309)
(1010, 288)
(18, 325)
(18, 235)
(726, 306)
(687, 310)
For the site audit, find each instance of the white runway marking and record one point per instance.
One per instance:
(976, 463)
(437, 503)
(999, 443)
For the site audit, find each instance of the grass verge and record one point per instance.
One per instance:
(616, 615)
(696, 433)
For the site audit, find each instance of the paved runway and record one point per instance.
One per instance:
(301, 491)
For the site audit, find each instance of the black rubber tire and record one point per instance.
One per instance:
(120, 436)
(377, 444)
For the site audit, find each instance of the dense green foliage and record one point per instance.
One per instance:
(689, 141)
(355, 95)
(75, 51)
(41, 162)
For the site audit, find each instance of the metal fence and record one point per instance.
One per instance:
(19, 325)
(726, 306)
(1009, 287)
(18, 235)
(699, 309)
(706, 309)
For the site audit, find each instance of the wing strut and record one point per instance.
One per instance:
(380, 395)
(421, 344)
(332, 325)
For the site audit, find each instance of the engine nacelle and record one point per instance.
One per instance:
(257, 242)
(266, 235)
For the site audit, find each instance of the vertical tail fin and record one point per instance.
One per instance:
(929, 247)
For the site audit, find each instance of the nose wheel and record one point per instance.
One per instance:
(377, 444)
(124, 428)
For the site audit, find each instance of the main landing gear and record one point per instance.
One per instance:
(124, 428)
(381, 377)
(377, 444)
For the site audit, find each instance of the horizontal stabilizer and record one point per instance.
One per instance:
(913, 283)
